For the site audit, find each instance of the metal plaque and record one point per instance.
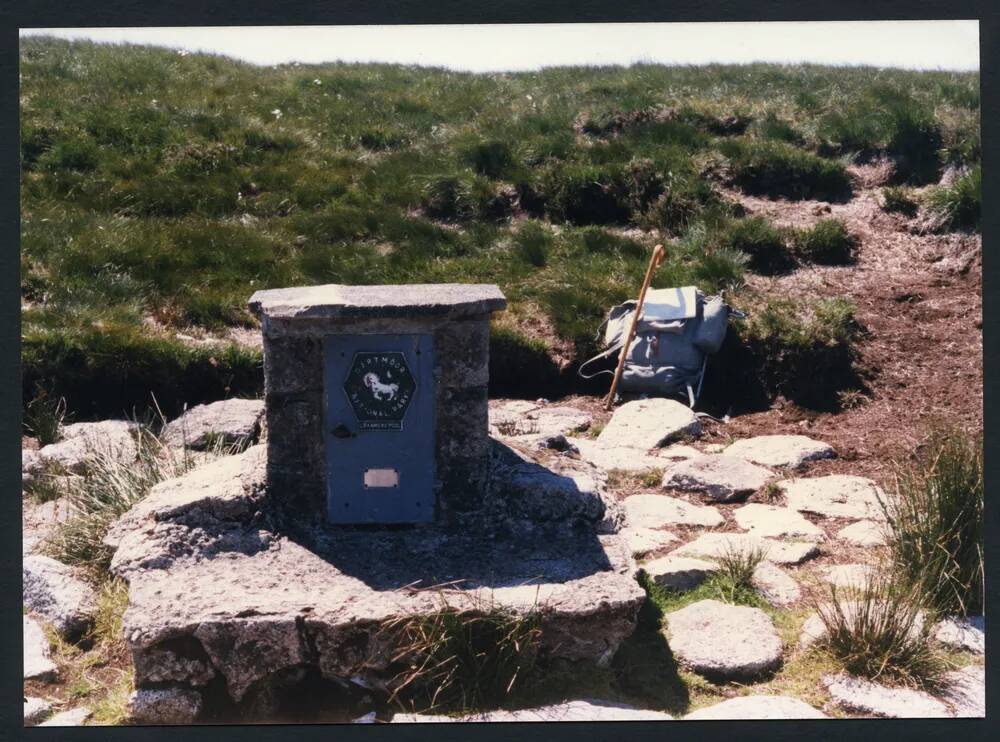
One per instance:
(379, 428)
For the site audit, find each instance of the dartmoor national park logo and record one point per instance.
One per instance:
(380, 387)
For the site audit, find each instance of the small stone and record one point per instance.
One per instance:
(648, 423)
(772, 521)
(717, 545)
(775, 586)
(871, 699)
(835, 496)
(963, 633)
(557, 443)
(71, 718)
(813, 629)
(848, 576)
(717, 476)
(757, 707)
(38, 664)
(31, 464)
(863, 533)
(679, 573)
(714, 448)
(227, 422)
(965, 691)
(53, 590)
(35, 710)
(164, 706)
(642, 541)
(653, 511)
(720, 640)
(793, 451)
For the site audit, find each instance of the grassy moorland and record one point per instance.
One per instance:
(159, 190)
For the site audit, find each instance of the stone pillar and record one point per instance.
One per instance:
(295, 322)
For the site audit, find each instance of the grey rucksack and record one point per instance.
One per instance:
(678, 330)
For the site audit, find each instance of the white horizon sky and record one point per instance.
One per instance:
(945, 45)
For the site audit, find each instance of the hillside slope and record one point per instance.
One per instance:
(160, 190)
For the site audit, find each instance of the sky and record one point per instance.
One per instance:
(947, 45)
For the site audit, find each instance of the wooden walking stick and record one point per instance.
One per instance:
(654, 262)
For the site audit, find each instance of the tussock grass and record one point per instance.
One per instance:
(776, 168)
(882, 631)
(44, 416)
(462, 659)
(763, 242)
(734, 579)
(828, 242)
(110, 488)
(959, 205)
(936, 522)
(896, 199)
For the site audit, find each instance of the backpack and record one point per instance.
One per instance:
(678, 330)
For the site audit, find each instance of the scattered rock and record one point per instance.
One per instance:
(720, 640)
(642, 541)
(649, 423)
(772, 521)
(83, 441)
(716, 545)
(791, 451)
(164, 706)
(963, 633)
(229, 421)
(38, 664)
(848, 576)
(965, 691)
(835, 496)
(863, 533)
(583, 710)
(35, 710)
(679, 573)
(757, 707)
(53, 590)
(71, 718)
(623, 458)
(719, 477)
(871, 699)
(776, 586)
(653, 511)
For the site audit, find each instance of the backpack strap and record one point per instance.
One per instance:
(613, 349)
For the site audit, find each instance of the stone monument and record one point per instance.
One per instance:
(376, 399)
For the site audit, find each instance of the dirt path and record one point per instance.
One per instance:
(919, 301)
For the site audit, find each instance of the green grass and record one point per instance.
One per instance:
(765, 244)
(827, 242)
(896, 199)
(158, 187)
(936, 522)
(44, 416)
(959, 205)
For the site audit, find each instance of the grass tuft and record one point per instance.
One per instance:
(896, 199)
(462, 659)
(959, 205)
(44, 416)
(828, 242)
(936, 522)
(763, 242)
(882, 632)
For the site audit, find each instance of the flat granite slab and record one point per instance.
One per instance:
(217, 591)
(337, 301)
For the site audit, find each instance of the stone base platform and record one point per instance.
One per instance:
(221, 596)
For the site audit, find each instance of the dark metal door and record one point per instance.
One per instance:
(379, 428)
